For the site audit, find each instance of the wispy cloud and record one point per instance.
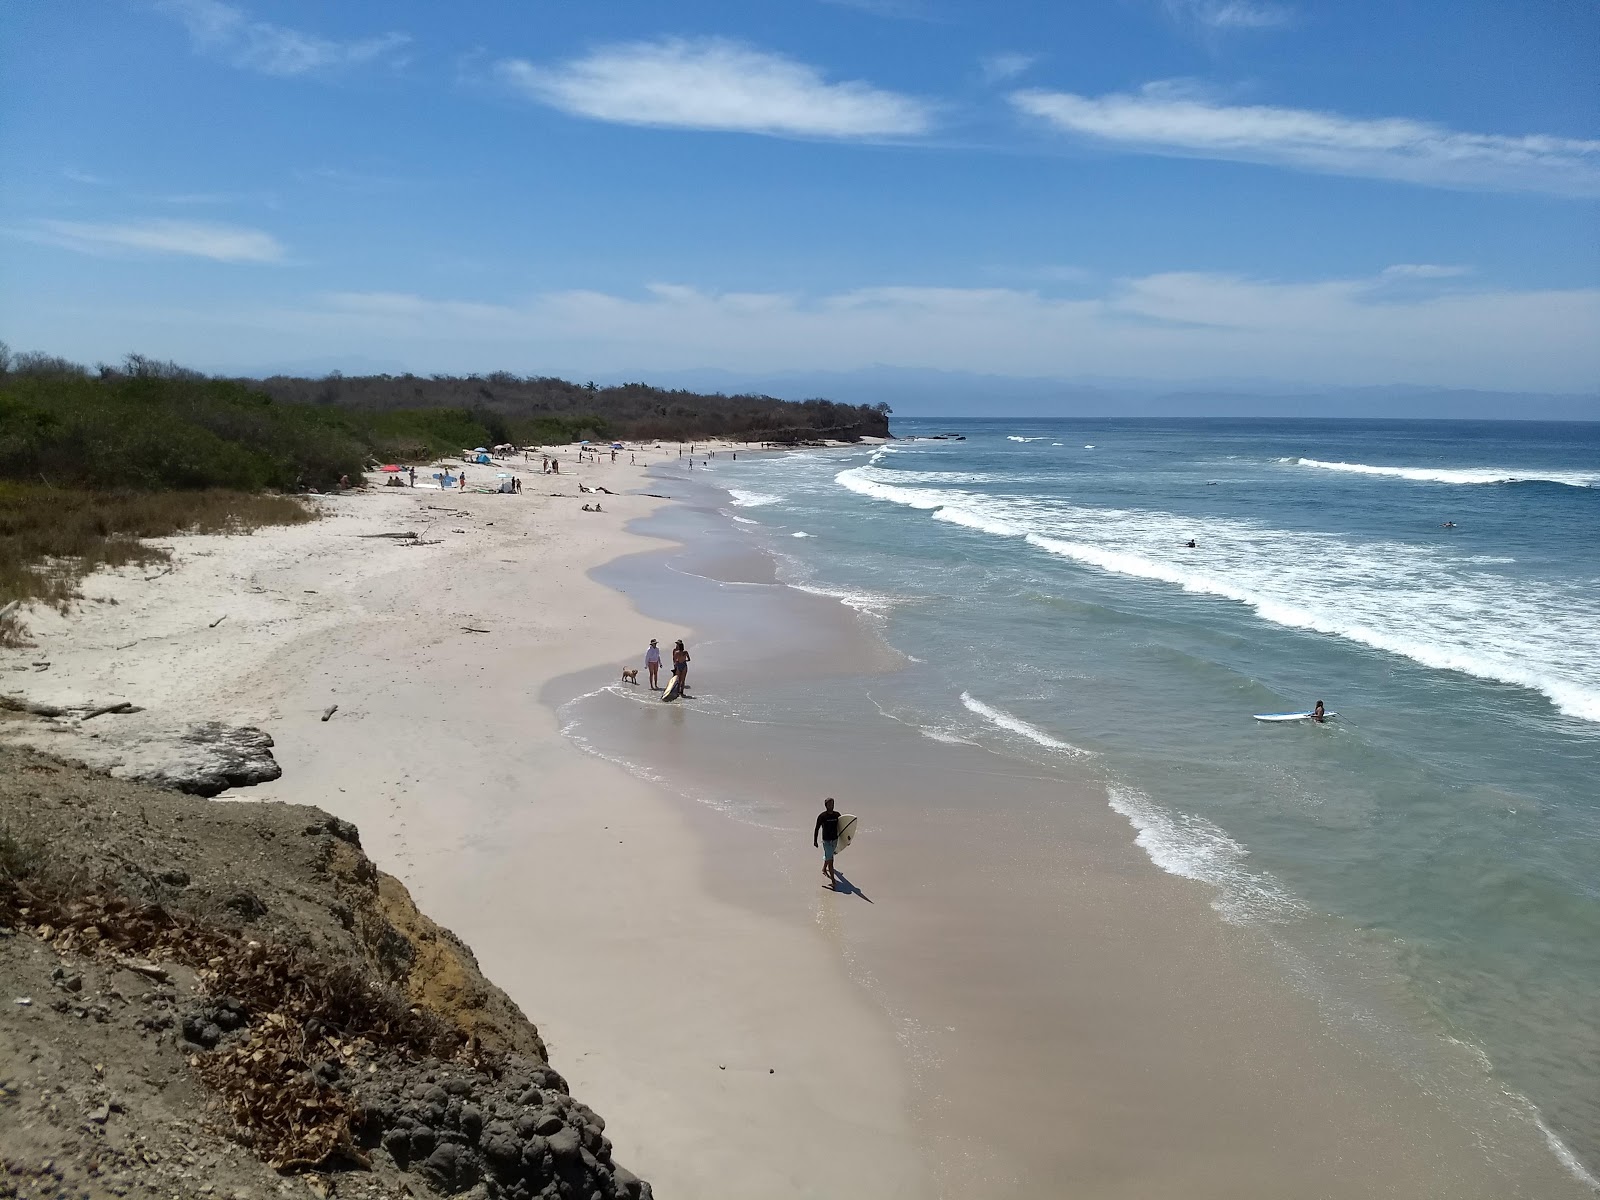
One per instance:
(84, 177)
(1172, 324)
(1228, 15)
(194, 239)
(903, 10)
(1162, 120)
(227, 32)
(1424, 271)
(997, 68)
(716, 84)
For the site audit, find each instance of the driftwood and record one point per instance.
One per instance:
(471, 629)
(407, 534)
(218, 621)
(423, 542)
(123, 707)
(83, 712)
(159, 574)
(329, 711)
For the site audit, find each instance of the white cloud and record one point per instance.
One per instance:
(1175, 325)
(1161, 120)
(228, 33)
(195, 239)
(999, 67)
(716, 84)
(1423, 271)
(1230, 14)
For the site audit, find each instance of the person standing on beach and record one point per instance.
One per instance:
(828, 827)
(680, 665)
(652, 664)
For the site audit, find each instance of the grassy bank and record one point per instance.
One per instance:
(50, 538)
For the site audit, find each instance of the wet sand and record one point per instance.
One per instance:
(1075, 1021)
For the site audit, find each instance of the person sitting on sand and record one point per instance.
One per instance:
(1319, 713)
(828, 827)
(652, 664)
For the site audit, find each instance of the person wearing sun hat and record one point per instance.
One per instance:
(652, 663)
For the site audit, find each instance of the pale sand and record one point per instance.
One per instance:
(727, 1049)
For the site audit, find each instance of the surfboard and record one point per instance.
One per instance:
(847, 832)
(1299, 716)
(674, 689)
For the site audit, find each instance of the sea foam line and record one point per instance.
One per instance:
(1462, 475)
(744, 499)
(1192, 847)
(1005, 720)
(1383, 596)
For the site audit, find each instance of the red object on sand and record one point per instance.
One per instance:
(388, 467)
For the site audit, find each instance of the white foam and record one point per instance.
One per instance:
(1566, 1157)
(865, 602)
(1011, 437)
(1194, 848)
(801, 533)
(744, 499)
(1003, 719)
(1461, 475)
(744, 520)
(1423, 602)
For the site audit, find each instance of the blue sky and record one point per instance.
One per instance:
(1351, 193)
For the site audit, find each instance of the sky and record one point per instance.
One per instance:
(1342, 194)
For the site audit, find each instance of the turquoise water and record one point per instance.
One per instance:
(1038, 574)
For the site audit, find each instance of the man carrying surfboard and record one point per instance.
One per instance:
(828, 826)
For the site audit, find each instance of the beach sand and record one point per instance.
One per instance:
(1017, 1008)
(728, 1050)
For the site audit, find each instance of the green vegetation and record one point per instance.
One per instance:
(51, 537)
(91, 462)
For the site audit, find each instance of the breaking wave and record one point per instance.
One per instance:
(1440, 610)
(1463, 475)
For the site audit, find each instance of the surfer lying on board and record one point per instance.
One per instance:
(1319, 713)
(828, 826)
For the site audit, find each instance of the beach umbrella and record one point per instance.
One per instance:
(480, 449)
(390, 467)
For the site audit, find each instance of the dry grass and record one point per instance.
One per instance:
(50, 538)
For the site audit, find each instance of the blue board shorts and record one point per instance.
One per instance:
(829, 845)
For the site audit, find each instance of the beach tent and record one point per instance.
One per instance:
(389, 467)
(616, 445)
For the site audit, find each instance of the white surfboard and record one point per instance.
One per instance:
(674, 689)
(1299, 716)
(847, 832)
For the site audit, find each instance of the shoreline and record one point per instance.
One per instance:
(691, 1023)
(1198, 1036)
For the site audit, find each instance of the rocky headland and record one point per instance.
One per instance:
(228, 999)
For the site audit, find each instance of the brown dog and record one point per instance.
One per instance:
(630, 675)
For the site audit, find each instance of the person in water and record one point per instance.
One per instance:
(680, 665)
(1319, 713)
(827, 827)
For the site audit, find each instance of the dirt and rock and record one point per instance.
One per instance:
(228, 1000)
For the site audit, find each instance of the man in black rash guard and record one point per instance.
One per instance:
(828, 826)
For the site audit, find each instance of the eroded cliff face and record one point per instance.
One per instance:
(202, 976)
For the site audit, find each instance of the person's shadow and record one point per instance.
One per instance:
(841, 884)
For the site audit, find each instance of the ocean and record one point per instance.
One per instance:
(1437, 584)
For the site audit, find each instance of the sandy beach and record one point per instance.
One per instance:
(726, 1048)
(1053, 1013)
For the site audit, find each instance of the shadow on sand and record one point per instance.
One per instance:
(841, 884)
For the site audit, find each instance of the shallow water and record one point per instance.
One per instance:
(1038, 577)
